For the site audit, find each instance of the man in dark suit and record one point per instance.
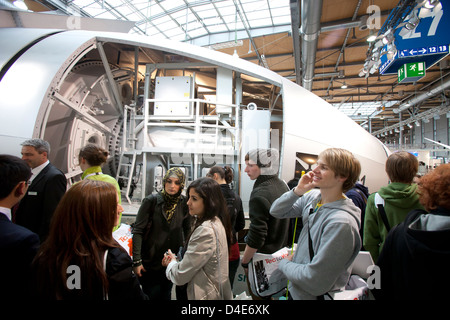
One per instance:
(48, 185)
(18, 245)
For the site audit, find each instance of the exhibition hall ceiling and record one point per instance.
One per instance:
(273, 33)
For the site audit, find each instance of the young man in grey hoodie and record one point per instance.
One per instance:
(331, 219)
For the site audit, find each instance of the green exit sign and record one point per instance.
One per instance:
(411, 72)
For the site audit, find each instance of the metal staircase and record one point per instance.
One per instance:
(127, 162)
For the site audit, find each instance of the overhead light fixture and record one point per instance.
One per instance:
(344, 86)
(225, 45)
(417, 124)
(388, 37)
(430, 4)
(372, 36)
(264, 61)
(363, 23)
(412, 23)
(391, 51)
(363, 72)
(235, 54)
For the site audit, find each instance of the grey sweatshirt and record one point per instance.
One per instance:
(334, 229)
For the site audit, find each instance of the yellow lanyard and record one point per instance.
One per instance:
(318, 205)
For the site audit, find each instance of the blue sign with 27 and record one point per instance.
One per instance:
(428, 42)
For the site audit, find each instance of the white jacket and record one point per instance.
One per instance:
(204, 266)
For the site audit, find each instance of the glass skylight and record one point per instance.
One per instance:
(186, 20)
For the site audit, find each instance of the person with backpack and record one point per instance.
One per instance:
(162, 223)
(416, 253)
(389, 206)
(224, 177)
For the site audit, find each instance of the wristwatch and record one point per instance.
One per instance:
(245, 265)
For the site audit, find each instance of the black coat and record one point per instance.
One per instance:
(123, 283)
(36, 209)
(237, 218)
(153, 235)
(415, 258)
(18, 247)
(266, 233)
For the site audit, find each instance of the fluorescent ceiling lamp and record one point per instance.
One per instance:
(229, 44)
(344, 86)
(20, 4)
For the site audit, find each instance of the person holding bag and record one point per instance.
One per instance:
(204, 266)
(329, 240)
(161, 223)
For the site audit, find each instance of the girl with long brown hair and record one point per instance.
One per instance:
(80, 259)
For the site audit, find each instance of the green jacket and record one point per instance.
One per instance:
(95, 173)
(400, 199)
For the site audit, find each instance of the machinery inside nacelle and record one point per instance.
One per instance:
(155, 104)
(85, 107)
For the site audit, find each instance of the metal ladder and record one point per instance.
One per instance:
(128, 168)
(127, 161)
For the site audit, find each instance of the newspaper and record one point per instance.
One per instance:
(264, 276)
(124, 237)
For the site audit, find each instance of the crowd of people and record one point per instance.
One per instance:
(57, 242)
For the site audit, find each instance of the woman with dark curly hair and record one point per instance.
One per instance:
(416, 255)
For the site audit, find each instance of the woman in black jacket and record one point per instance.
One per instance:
(224, 177)
(162, 223)
(80, 260)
